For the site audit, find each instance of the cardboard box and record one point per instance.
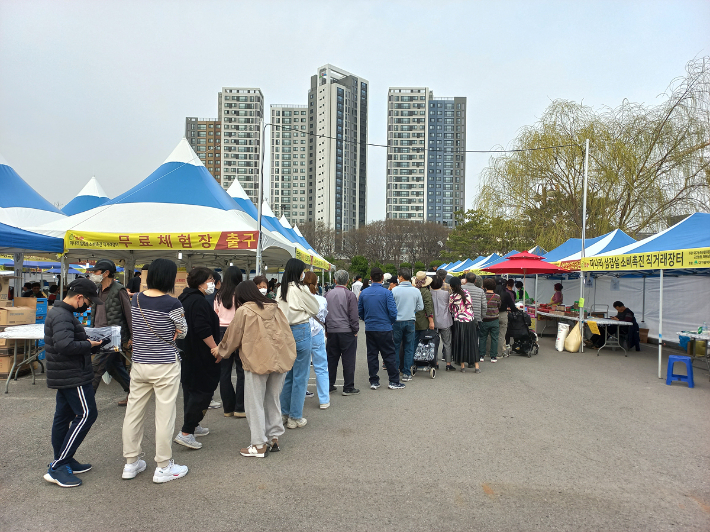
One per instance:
(643, 336)
(17, 316)
(30, 302)
(180, 281)
(10, 344)
(6, 364)
(5, 286)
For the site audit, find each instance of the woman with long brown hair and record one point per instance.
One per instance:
(267, 351)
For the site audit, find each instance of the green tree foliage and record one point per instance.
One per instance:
(478, 233)
(646, 164)
(359, 265)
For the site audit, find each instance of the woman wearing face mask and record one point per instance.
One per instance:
(262, 284)
(320, 358)
(200, 369)
(298, 305)
(225, 306)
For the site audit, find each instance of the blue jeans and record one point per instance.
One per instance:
(320, 366)
(403, 332)
(293, 394)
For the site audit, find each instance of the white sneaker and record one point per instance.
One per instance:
(214, 404)
(132, 470)
(201, 431)
(187, 441)
(169, 472)
(324, 406)
(296, 423)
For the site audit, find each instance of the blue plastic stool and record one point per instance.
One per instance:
(672, 359)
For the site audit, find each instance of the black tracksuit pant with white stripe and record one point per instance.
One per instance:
(73, 417)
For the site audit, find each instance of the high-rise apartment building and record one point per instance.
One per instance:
(426, 155)
(204, 137)
(289, 162)
(241, 113)
(337, 149)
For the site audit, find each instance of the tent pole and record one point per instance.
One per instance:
(19, 261)
(643, 304)
(660, 325)
(584, 232)
(62, 276)
(259, 242)
(584, 223)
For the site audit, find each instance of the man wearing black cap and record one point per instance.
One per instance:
(116, 310)
(68, 361)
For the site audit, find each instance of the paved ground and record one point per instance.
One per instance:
(557, 442)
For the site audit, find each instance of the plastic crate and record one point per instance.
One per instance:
(42, 306)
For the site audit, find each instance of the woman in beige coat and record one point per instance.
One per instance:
(267, 350)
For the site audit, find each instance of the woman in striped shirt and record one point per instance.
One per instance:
(464, 338)
(157, 320)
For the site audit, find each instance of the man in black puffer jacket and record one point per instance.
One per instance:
(69, 371)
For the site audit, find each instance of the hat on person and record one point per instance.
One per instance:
(86, 288)
(388, 276)
(422, 276)
(103, 265)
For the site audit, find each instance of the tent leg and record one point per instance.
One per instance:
(62, 276)
(660, 325)
(643, 301)
(19, 261)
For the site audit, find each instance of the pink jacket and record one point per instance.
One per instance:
(226, 315)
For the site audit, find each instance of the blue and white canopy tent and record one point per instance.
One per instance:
(178, 211)
(568, 248)
(21, 207)
(237, 193)
(89, 197)
(683, 249)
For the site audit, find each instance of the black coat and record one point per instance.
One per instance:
(68, 351)
(199, 368)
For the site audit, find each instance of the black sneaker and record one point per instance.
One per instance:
(351, 391)
(395, 386)
(309, 394)
(374, 385)
(333, 388)
(62, 476)
(77, 468)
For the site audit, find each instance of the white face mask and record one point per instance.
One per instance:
(263, 291)
(96, 277)
(303, 276)
(210, 288)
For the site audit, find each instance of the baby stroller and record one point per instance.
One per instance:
(425, 354)
(524, 340)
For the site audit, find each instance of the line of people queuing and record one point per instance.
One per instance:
(194, 343)
(270, 334)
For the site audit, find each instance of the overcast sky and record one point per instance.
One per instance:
(103, 88)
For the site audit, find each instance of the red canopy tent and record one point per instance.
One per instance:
(525, 264)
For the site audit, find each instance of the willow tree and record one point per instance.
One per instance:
(647, 164)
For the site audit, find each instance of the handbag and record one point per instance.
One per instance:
(170, 343)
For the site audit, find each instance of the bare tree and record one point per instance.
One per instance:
(646, 164)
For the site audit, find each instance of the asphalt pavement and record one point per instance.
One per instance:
(560, 441)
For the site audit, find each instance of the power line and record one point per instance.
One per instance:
(416, 148)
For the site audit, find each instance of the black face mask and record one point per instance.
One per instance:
(84, 307)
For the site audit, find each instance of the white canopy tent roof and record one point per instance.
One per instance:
(178, 208)
(20, 205)
(89, 197)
